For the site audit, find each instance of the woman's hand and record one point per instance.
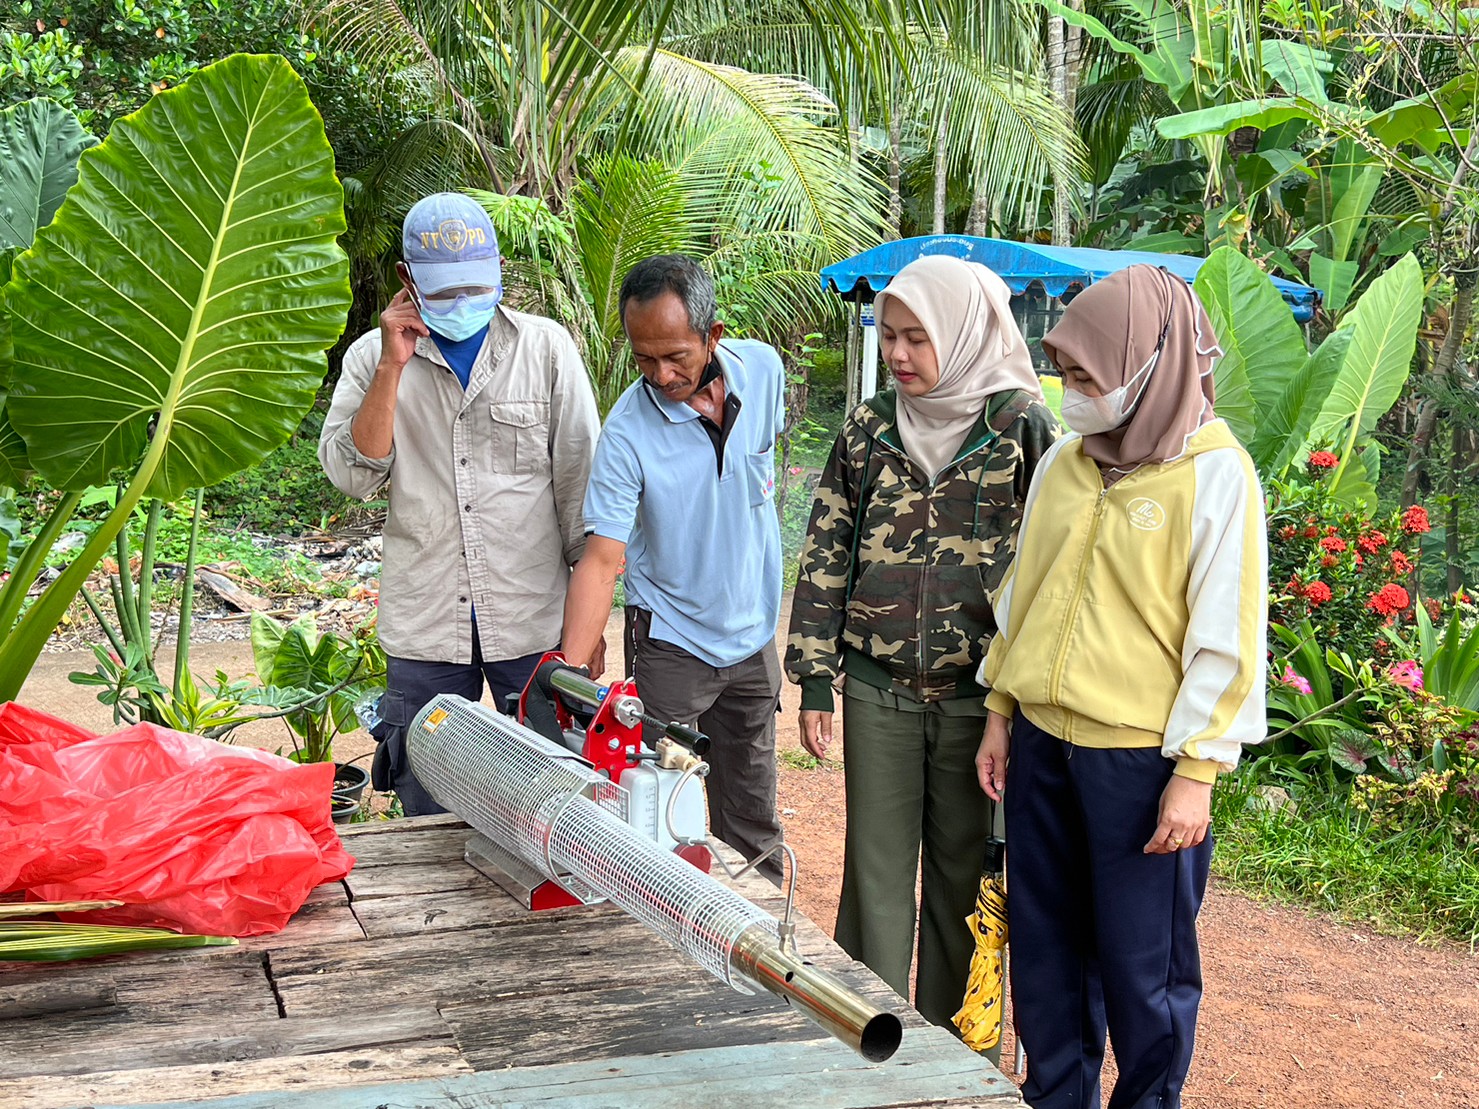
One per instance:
(991, 758)
(816, 731)
(1186, 812)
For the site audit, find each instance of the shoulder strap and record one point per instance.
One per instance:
(1008, 406)
(865, 489)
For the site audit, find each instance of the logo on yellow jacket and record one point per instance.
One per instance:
(1146, 514)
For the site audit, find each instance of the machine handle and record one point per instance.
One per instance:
(691, 738)
(556, 677)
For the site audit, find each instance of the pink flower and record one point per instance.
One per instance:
(795, 470)
(1292, 679)
(1407, 673)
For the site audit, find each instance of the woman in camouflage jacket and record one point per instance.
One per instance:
(914, 524)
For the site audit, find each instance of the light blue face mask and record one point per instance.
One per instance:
(464, 317)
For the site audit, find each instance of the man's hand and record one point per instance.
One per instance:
(598, 659)
(1186, 812)
(816, 731)
(400, 326)
(373, 427)
(991, 757)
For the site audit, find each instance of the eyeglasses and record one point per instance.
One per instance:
(449, 296)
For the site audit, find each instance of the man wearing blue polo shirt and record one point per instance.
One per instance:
(683, 487)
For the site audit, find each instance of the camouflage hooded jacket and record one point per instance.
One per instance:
(897, 569)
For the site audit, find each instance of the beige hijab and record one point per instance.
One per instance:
(966, 312)
(1110, 331)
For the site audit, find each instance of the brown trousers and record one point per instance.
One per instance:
(735, 706)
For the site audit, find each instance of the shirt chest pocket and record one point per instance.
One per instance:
(760, 473)
(520, 436)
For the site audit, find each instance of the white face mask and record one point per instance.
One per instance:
(1096, 415)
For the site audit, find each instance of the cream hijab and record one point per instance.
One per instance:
(966, 312)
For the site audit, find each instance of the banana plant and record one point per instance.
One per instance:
(170, 321)
(1278, 396)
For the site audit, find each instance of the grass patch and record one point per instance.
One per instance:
(1417, 881)
(797, 759)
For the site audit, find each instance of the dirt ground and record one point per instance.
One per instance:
(1301, 1010)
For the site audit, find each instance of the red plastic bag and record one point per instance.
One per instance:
(193, 834)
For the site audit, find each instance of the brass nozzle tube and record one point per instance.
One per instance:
(846, 1014)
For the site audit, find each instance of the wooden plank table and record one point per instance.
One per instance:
(417, 982)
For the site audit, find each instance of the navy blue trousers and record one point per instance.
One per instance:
(409, 685)
(1100, 932)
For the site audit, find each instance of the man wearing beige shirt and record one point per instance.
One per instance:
(484, 422)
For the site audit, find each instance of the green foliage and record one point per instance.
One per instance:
(1278, 397)
(133, 49)
(1342, 569)
(284, 493)
(1450, 661)
(1383, 327)
(40, 142)
(323, 675)
(1420, 880)
(46, 64)
(168, 321)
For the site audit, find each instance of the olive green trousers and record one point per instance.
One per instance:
(914, 809)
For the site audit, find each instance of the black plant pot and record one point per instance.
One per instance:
(350, 781)
(343, 809)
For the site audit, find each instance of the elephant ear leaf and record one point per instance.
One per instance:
(171, 319)
(15, 468)
(40, 142)
(1263, 348)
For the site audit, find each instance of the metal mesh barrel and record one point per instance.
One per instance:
(566, 820)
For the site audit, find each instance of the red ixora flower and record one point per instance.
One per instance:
(1288, 531)
(1317, 593)
(1329, 562)
(1295, 588)
(1372, 542)
(1323, 460)
(1311, 532)
(1401, 564)
(1415, 520)
(1388, 599)
(1332, 544)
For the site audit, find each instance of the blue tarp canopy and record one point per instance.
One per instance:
(1055, 268)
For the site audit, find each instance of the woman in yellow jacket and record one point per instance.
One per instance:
(1127, 671)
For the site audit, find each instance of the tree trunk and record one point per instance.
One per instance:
(895, 171)
(942, 172)
(1443, 366)
(1064, 44)
(851, 357)
(975, 223)
(1452, 548)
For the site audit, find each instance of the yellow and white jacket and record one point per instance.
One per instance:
(1136, 616)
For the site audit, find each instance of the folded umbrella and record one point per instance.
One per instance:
(979, 1019)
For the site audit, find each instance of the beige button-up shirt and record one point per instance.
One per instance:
(486, 486)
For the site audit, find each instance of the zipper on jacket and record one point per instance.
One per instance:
(1055, 678)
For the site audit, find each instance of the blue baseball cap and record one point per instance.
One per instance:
(448, 240)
